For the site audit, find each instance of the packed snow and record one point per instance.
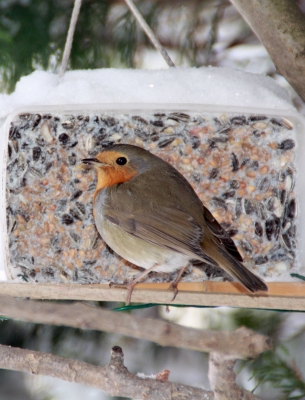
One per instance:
(205, 86)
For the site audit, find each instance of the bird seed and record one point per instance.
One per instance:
(241, 166)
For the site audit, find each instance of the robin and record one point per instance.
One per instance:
(149, 214)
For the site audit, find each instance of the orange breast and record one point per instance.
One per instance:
(109, 176)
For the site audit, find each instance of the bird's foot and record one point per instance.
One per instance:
(128, 286)
(174, 284)
(174, 287)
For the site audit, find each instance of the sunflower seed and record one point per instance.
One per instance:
(89, 143)
(238, 207)
(75, 214)
(292, 231)
(25, 116)
(286, 226)
(139, 119)
(257, 118)
(195, 140)
(269, 228)
(246, 246)
(35, 173)
(289, 182)
(277, 227)
(283, 196)
(158, 123)
(67, 219)
(45, 132)
(235, 162)
(109, 121)
(214, 173)
(288, 124)
(291, 209)
(72, 159)
(287, 241)
(75, 237)
(258, 229)
(260, 260)
(239, 120)
(36, 153)
(287, 144)
(93, 241)
(76, 195)
(220, 139)
(81, 207)
(55, 244)
(219, 202)
(228, 194)
(276, 122)
(67, 124)
(36, 120)
(165, 142)
(264, 184)
(234, 184)
(248, 206)
(179, 116)
(9, 151)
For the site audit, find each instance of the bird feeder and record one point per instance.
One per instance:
(234, 136)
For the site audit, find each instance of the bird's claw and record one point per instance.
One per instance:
(174, 287)
(128, 286)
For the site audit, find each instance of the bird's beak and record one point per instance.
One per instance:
(94, 162)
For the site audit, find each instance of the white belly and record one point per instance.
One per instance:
(141, 253)
(135, 250)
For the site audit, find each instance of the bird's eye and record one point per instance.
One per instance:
(121, 161)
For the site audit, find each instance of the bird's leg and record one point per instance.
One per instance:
(131, 285)
(174, 285)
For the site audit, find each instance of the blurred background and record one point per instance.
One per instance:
(195, 33)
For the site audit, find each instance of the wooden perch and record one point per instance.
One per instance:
(281, 295)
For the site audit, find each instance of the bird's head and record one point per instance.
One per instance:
(118, 164)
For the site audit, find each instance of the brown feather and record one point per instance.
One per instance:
(157, 204)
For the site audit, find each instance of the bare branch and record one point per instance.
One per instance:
(149, 32)
(280, 25)
(114, 378)
(222, 380)
(241, 344)
(69, 40)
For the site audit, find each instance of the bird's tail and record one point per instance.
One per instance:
(235, 268)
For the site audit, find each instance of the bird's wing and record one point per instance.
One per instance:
(169, 227)
(221, 235)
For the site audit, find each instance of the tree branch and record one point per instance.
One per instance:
(114, 378)
(280, 25)
(222, 379)
(242, 343)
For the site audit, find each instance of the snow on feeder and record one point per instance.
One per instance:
(234, 136)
